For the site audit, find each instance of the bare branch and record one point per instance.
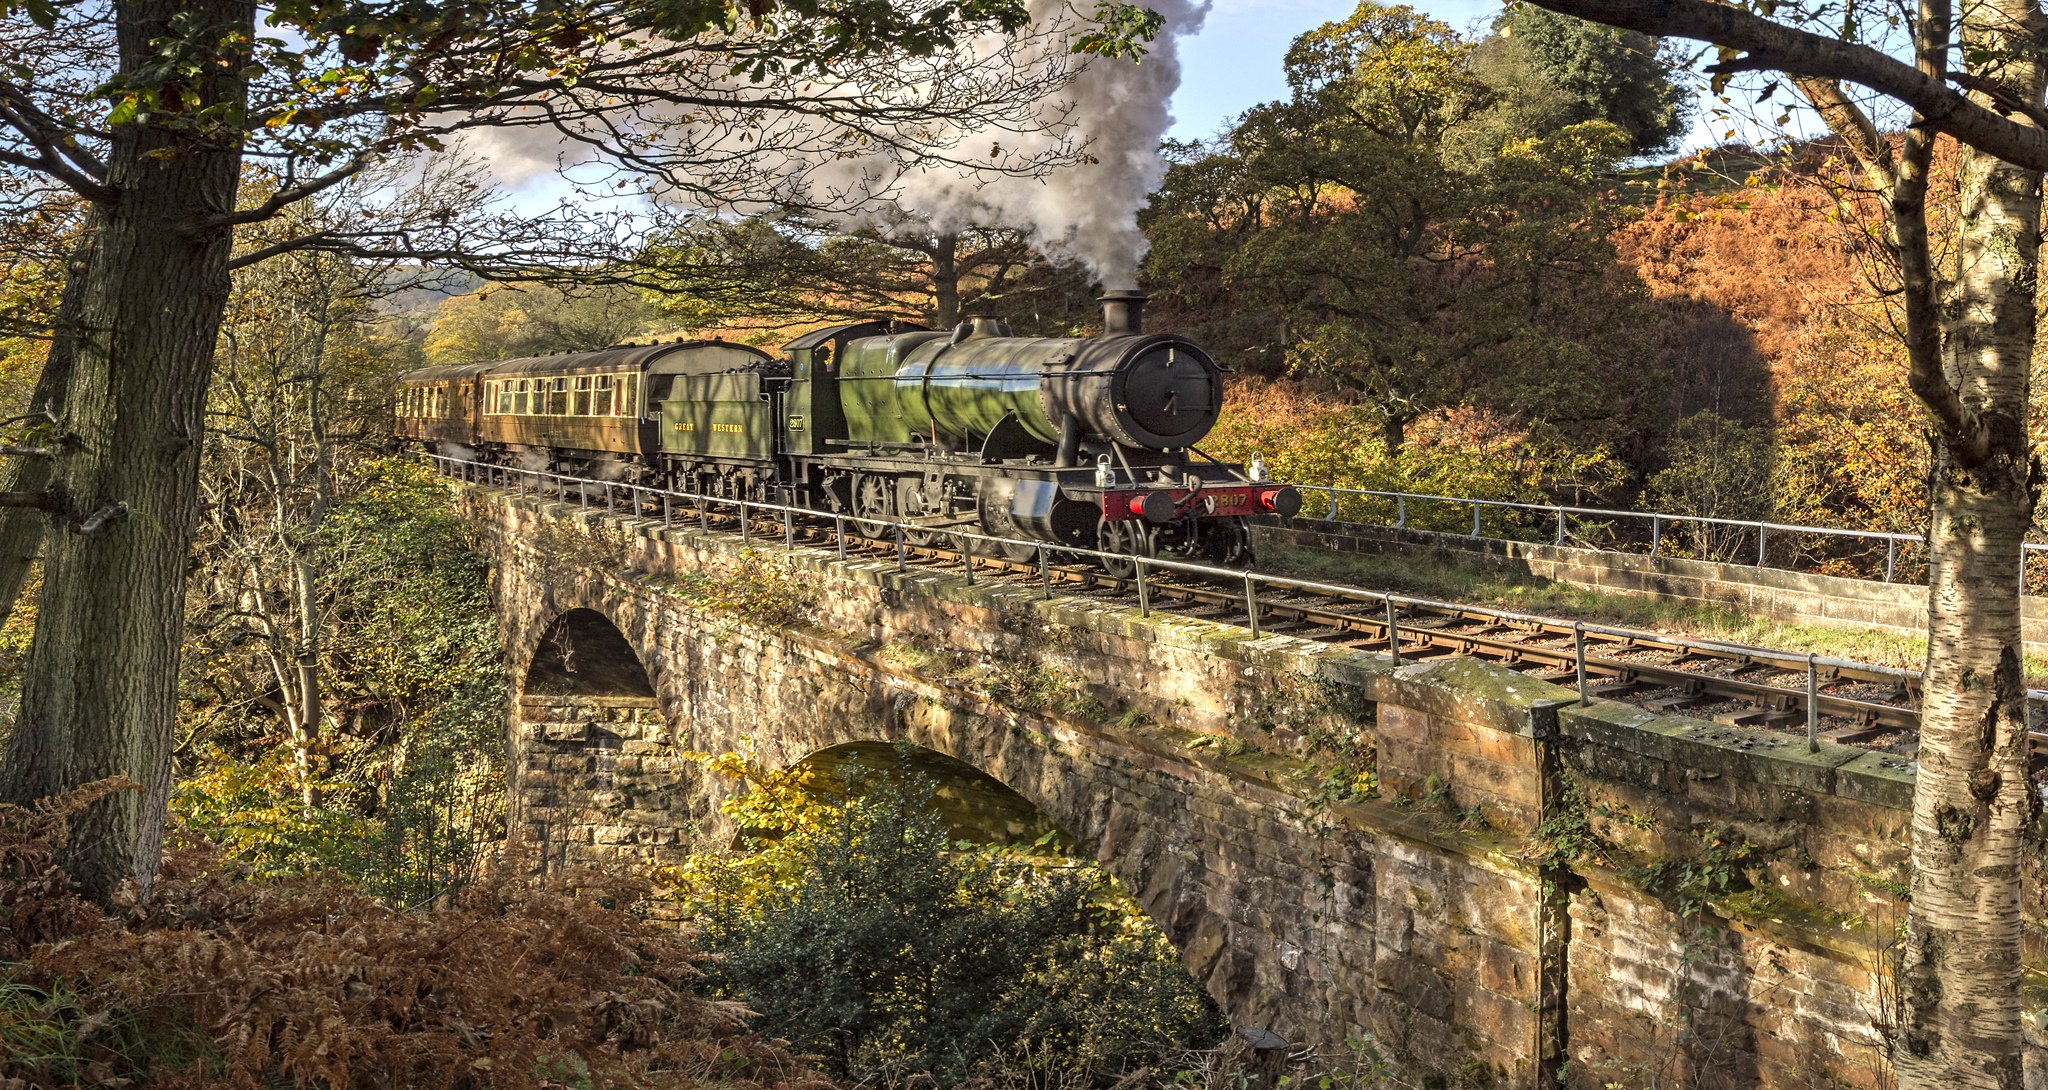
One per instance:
(1872, 151)
(286, 196)
(100, 519)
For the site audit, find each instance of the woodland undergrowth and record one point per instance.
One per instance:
(223, 979)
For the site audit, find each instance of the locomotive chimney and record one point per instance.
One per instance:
(1123, 313)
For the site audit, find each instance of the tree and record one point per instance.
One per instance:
(1549, 70)
(1714, 468)
(1968, 323)
(1386, 260)
(149, 110)
(787, 270)
(500, 321)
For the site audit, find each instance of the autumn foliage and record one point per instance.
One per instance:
(219, 979)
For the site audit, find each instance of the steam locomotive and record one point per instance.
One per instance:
(1070, 441)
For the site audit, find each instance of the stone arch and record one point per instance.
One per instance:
(588, 729)
(973, 803)
(582, 653)
(1130, 834)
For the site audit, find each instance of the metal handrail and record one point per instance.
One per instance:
(1763, 528)
(484, 473)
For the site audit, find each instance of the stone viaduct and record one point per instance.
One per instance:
(1497, 885)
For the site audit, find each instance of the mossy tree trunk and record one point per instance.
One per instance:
(100, 692)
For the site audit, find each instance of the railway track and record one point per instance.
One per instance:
(1825, 699)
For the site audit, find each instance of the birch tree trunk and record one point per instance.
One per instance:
(1960, 978)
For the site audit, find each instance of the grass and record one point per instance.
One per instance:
(1426, 576)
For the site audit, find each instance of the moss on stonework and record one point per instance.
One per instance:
(1760, 905)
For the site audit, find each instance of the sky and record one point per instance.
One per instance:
(1234, 63)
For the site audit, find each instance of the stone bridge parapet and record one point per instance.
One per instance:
(1497, 885)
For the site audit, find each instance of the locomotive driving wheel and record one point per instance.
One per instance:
(1126, 537)
(996, 521)
(873, 498)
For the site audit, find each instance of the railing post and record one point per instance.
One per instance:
(1400, 511)
(1560, 527)
(1812, 705)
(1251, 604)
(668, 513)
(1331, 514)
(703, 515)
(746, 524)
(902, 552)
(582, 494)
(1891, 557)
(1656, 536)
(1579, 657)
(1760, 531)
(1045, 572)
(839, 533)
(967, 556)
(1144, 591)
(1475, 518)
(788, 528)
(608, 498)
(1393, 628)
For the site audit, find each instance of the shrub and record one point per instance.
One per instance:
(867, 936)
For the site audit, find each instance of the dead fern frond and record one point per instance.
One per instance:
(515, 982)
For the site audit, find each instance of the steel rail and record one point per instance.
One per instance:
(886, 537)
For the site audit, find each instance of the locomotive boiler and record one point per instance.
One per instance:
(1065, 441)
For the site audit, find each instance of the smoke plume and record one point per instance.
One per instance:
(1117, 111)
(985, 122)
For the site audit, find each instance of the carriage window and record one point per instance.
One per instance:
(558, 405)
(579, 398)
(600, 395)
(519, 397)
(627, 391)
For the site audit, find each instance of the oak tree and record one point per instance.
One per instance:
(151, 111)
(1359, 233)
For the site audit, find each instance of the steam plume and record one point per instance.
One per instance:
(1100, 119)
(1118, 111)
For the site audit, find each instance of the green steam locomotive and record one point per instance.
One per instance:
(1069, 441)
